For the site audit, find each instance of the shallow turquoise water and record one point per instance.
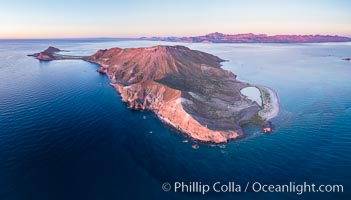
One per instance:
(65, 134)
(252, 93)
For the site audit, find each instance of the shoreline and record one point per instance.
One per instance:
(168, 102)
(173, 115)
(270, 103)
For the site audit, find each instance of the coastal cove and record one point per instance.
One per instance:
(66, 134)
(252, 93)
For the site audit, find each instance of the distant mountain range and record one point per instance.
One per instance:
(252, 38)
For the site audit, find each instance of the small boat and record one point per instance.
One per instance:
(144, 117)
(195, 146)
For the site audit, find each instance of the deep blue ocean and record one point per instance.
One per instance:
(65, 134)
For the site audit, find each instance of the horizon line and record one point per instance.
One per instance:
(139, 37)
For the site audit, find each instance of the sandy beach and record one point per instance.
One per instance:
(270, 102)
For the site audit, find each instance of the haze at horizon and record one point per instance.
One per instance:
(136, 18)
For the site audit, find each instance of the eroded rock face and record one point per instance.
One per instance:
(185, 88)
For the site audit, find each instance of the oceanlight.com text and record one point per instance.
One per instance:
(257, 187)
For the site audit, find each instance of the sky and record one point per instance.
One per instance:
(137, 18)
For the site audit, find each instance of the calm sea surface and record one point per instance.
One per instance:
(65, 134)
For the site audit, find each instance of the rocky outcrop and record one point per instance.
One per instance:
(46, 55)
(51, 53)
(254, 38)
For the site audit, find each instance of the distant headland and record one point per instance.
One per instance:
(186, 89)
(252, 38)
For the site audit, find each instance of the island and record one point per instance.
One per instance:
(252, 38)
(51, 53)
(186, 89)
